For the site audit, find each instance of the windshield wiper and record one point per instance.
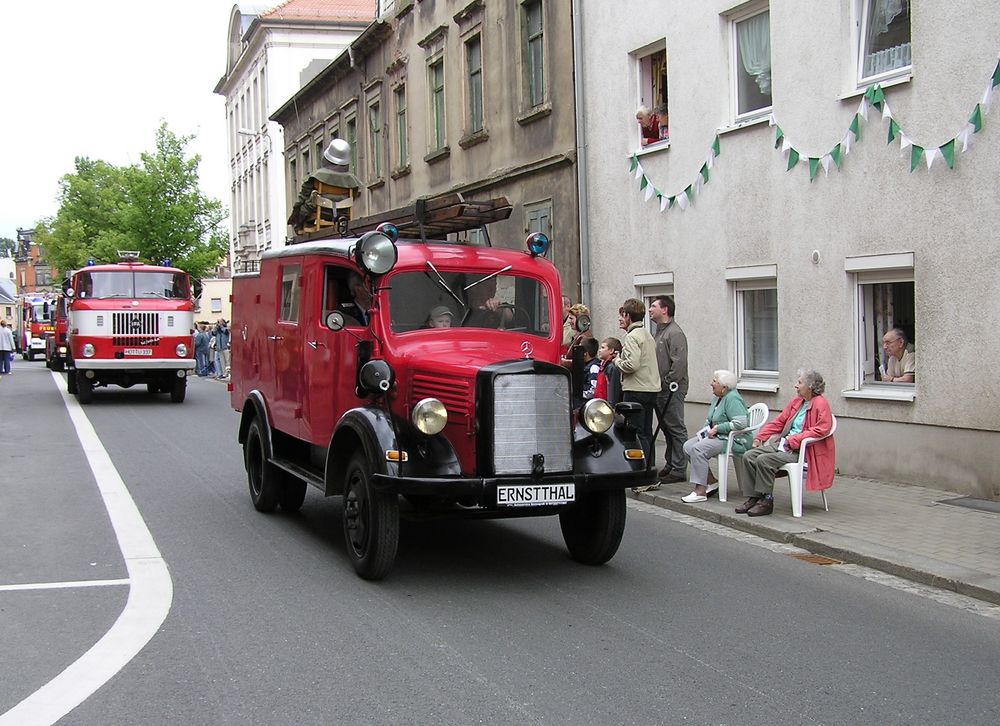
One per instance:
(444, 285)
(157, 294)
(484, 279)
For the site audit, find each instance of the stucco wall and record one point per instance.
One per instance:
(754, 212)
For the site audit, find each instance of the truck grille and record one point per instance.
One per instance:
(531, 416)
(135, 329)
(455, 394)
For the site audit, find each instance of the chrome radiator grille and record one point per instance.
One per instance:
(531, 415)
(135, 328)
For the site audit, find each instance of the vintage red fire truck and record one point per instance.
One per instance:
(56, 342)
(34, 322)
(129, 323)
(342, 384)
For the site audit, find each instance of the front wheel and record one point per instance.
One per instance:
(292, 493)
(263, 477)
(84, 387)
(371, 522)
(593, 527)
(177, 390)
(71, 387)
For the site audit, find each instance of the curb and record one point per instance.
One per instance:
(853, 550)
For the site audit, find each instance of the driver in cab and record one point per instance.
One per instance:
(486, 310)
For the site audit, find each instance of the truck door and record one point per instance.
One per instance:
(285, 340)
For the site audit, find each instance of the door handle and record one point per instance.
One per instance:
(275, 337)
(314, 344)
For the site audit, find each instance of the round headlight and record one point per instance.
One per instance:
(597, 416)
(182, 350)
(376, 253)
(88, 350)
(429, 416)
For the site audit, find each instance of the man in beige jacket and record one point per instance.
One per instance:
(640, 374)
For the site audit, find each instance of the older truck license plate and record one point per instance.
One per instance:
(138, 351)
(535, 495)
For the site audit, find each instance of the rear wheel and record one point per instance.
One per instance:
(177, 390)
(85, 388)
(263, 477)
(371, 522)
(593, 528)
(57, 365)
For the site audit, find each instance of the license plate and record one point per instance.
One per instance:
(138, 351)
(535, 495)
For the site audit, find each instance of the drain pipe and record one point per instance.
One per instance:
(581, 156)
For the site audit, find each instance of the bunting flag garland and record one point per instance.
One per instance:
(684, 198)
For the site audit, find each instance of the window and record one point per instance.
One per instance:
(435, 77)
(305, 162)
(318, 142)
(474, 68)
(884, 302)
(538, 218)
(293, 176)
(352, 139)
(375, 139)
(884, 39)
(534, 55)
(652, 75)
(757, 330)
(399, 101)
(289, 294)
(216, 304)
(751, 53)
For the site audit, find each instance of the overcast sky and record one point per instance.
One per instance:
(95, 79)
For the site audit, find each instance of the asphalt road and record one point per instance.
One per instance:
(479, 622)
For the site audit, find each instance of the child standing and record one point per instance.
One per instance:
(591, 367)
(609, 379)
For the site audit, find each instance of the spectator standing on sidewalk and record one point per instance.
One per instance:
(201, 339)
(672, 363)
(640, 379)
(222, 338)
(6, 348)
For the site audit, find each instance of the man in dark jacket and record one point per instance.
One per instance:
(672, 361)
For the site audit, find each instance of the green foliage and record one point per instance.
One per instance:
(154, 207)
(7, 246)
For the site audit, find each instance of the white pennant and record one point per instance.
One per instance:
(771, 120)
(785, 144)
(964, 135)
(649, 192)
(886, 113)
(697, 184)
(863, 108)
(663, 203)
(825, 161)
(710, 160)
(987, 98)
(682, 200)
(905, 142)
(931, 155)
(638, 172)
(845, 143)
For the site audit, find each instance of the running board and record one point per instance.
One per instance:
(300, 472)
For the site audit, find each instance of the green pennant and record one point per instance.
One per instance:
(813, 167)
(778, 136)
(670, 201)
(835, 155)
(976, 119)
(704, 172)
(690, 192)
(948, 152)
(878, 97)
(793, 159)
(715, 145)
(855, 127)
(915, 153)
(996, 75)
(893, 130)
(644, 183)
(633, 164)
(869, 92)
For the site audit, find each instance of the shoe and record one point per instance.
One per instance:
(712, 491)
(747, 505)
(664, 472)
(694, 498)
(761, 508)
(671, 478)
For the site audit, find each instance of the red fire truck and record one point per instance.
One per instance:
(34, 322)
(129, 323)
(56, 344)
(343, 385)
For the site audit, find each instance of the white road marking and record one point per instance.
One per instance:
(150, 593)
(945, 597)
(62, 585)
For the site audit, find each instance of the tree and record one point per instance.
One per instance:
(7, 247)
(154, 207)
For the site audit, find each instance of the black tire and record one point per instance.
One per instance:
(71, 387)
(84, 388)
(291, 494)
(264, 479)
(371, 522)
(177, 390)
(58, 366)
(152, 388)
(593, 528)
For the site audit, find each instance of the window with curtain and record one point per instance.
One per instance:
(885, 38)
(757, 329)
(752, 71)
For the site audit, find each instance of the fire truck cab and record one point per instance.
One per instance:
(129, 323)
(56, 342)
(345, 383)
(34, 322)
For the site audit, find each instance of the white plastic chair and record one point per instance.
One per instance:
(756, 417)
(798, 472)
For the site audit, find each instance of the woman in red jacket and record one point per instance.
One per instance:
(806, 416)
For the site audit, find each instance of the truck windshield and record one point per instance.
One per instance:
(132, 284)
(418, 300)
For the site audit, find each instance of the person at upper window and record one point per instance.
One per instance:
(355, 310)
(900, 359)
(337, 156)
(649, 124)
(439, 317)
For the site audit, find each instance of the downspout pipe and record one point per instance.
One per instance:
(581, 155)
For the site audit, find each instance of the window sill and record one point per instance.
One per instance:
(745, 124)
(400, 172)
(438, 154)
(535, 113)
(651, 148)
(476, 137)
(888, 83)
(380, 182)
(758, 384)
(887, 392)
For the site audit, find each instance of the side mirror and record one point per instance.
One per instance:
(335, 321)
(69, 292)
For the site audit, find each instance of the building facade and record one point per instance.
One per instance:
(33, 274)
(789, 232)
(439, 97)
(272, 50)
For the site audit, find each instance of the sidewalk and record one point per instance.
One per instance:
(900, 529)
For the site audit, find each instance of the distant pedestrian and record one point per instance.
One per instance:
(6, 348)
(201, 339)
(222, 338)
